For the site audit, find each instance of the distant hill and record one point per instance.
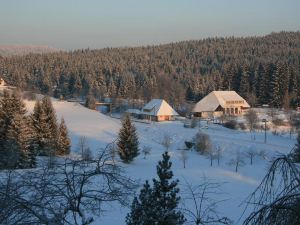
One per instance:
(12, 50)
(263, 70)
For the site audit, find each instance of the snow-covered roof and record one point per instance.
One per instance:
(2, 82)
(220, 98)
(158, 107)
(134, 111)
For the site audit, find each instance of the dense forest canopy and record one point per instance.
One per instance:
(264, 70)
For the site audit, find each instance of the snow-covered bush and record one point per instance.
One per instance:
(242, 126)
(202, 143)
(278, 122)
(231, 124)
(194, 122)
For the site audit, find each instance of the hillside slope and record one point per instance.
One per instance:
(177, 72)
(19, 50)
(101, 130)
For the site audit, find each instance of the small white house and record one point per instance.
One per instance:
(158, 110)
(218, 103)
(2, 82)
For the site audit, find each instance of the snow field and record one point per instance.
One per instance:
(235, 187)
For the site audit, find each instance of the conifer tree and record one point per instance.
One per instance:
(128, 144)
(244, 84)
(52, 123)
(296, 155)
(275, 89)
(42, 133)
(90, 102)
(20, 153)
(5, 111)
(63, 142)
(158, 205)
(142, 208)
(15, 134)
(18, 106)
(165, 192)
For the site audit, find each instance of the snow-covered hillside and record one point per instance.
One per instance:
(101, 130)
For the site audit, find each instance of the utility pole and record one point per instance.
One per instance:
(265, 121)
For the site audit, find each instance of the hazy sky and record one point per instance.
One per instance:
(71, 24)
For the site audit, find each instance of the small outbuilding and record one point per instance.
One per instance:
(136, 113)
(219, 103)
(158, 110)
(2, 82)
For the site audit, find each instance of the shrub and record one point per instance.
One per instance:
(189, 144)
(252, 118)
(194, 122)
(242, 126)
(231, 124)
(278, 122)
(202, 143)
(90, 102)
(29, 95)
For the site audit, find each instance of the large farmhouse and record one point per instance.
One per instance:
(218, 103)
(158, 110)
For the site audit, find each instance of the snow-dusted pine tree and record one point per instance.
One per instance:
(4, 123)
(165, 192)
(15, 133)
(128, 143)
(42, 134)
(52, 123)
(159, 204)
(296, 155)
(147, 204)
(18, 146)
(142, 208)
(63, 141)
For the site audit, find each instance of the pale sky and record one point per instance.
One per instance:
(73, 24)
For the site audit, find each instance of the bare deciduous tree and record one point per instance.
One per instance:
(276, 200)
(183, 157)
(199, 206)
(71, 193)
(202, 143)
(84, 149)
(212, 154)
(252, 118)
(112, 151)
(219, 154)
(251, 153)
(146, 151)
(166, 142)
(263, 154)
(237, 161)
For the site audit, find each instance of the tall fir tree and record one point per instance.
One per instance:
(16, 147)
(42, 134)
(293, 88)
(262, 85)
(142, 208)
(158, 205)
(275, 89)
(244, 84)
(5, 118)
(63, 142)
(296, 155)
(128, 143)
(20, 153)
(165, 191)
(52, 122)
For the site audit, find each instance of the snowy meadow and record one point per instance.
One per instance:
(233, 187)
